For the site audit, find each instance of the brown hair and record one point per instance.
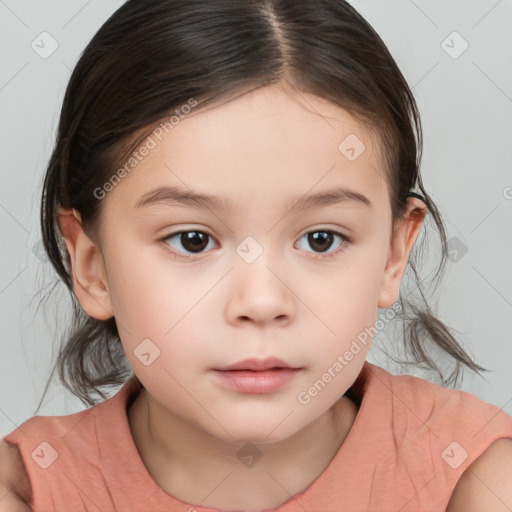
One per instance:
(151, 57)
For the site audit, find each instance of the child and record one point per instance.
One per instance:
(205, 150)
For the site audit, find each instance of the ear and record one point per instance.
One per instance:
(88, 267)
(402, 242)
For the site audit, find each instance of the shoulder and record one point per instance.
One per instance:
(15, 491)
(454, 411)
(486, 483)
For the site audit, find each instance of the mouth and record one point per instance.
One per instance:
(258, 376)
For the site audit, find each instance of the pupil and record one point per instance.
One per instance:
(193, 240)
(320, 238)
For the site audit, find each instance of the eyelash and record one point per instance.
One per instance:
(345, 242)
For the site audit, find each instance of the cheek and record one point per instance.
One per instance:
(158, 311)
(347, 299)
(138, 295)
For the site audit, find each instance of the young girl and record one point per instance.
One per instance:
(206, 151)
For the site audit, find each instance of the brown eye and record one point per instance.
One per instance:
(192, 241)
(322, 240)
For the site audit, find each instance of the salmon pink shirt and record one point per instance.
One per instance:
(409, 444)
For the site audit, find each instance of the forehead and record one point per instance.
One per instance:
(265, 146)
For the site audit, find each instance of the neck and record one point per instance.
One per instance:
(198, 468)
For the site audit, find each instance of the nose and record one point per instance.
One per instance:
(260, 292)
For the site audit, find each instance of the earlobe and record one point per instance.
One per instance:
(87, 266)
(402, 242)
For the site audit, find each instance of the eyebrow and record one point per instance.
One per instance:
(178, 196)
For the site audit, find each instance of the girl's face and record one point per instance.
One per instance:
(256, 277)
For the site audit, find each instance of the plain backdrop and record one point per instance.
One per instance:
(457, 59)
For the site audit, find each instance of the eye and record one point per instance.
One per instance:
(196, 242)
(322, 240)
(193, 240)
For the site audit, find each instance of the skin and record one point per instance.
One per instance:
(215, 309)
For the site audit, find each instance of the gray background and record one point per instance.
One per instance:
(465, 99)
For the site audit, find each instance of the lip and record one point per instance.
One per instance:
(256, 381)
(258, 365)
(255, 375)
